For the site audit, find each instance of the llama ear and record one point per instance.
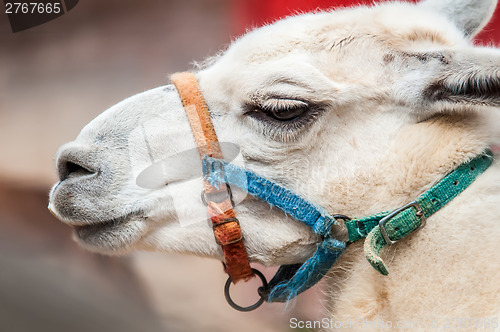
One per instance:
(470, 16)
(467, 78)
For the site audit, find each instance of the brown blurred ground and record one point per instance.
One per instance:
(54, 79)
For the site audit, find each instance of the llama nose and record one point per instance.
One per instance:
(74, 163)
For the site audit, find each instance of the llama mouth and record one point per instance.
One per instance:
(85, 230)
(115, 235)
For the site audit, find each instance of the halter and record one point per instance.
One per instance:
(290, 280)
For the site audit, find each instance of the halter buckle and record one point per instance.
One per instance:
(387, 218)
(225, 221)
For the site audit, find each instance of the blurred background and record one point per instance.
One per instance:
(54, 79)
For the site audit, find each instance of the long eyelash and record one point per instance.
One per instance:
(283, 104)
(280, 130)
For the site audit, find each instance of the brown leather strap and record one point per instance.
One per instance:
(226, 226)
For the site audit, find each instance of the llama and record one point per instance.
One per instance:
(358, 110)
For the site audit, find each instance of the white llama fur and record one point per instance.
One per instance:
(387, 86)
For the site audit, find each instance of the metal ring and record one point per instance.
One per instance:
(338, 231)
(252, 307)
(228, 190)
(341, 217)
(203, 199)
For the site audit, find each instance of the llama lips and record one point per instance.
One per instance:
(102, 224)
(115, 234)
(84, 231)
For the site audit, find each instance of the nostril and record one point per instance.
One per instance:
(76, 170)
(70, 169)
(75, 161)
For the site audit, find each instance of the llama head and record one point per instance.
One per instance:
(323, 104)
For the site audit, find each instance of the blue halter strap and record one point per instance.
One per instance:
(379, 229)
(290, 280)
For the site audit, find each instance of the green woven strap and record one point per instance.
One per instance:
(405, 220)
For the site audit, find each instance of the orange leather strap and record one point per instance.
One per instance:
(220, 209)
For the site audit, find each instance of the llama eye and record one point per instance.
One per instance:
(283, 119)
(286, 114)
(282, 110)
